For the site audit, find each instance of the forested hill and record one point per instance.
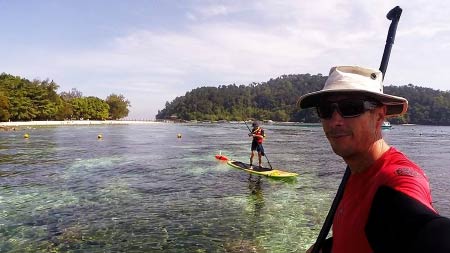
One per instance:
(276, 100)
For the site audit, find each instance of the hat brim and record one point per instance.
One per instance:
(395, 105)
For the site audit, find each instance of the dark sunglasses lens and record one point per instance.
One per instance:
(347, 108)
(351, 108)
(325, 111)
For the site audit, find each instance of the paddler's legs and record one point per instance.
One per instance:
(259, 158)
(251, 157)
(253, 148)
(260, 150)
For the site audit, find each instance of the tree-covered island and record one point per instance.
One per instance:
(25, 100)
(276, 100)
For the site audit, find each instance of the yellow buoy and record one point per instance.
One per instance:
(178, 135)
(99, 136)
(26, 136)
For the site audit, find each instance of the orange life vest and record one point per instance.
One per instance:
(260, 134)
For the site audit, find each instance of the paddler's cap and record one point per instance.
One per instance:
(255, 124)
(354, 79)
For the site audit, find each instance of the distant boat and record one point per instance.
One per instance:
(386, 125)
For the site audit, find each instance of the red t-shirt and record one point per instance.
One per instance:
(393, 169)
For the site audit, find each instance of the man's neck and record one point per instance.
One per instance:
(362, 161)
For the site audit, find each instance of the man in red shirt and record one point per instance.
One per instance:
(386, 206)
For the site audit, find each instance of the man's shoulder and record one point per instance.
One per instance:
(403, 175)
(399, 172)
(402, 170)
(399, 164)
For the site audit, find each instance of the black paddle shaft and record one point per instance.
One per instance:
(265, 155)
(393, 15)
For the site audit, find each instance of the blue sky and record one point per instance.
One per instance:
(153, 51)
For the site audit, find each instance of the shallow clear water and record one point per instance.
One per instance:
(142, 189)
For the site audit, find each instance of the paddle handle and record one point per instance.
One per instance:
(393, 15)
(247, 126)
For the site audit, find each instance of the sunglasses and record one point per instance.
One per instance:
(347, 108)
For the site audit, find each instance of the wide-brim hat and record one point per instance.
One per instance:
(359, 80)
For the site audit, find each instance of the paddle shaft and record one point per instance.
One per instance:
(393, 15)
(265, 155)
(330, 216)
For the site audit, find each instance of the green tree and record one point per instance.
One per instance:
(21, 99)
(65, 111)
(21, 107)
(45, 99)
(98, 109)
(4, 107)
(118, 106)
(79, 108)
(92, 108)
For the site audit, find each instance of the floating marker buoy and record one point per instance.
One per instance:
(99, 136)
(178, 135)
(26, 136)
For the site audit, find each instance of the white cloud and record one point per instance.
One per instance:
(248, 41)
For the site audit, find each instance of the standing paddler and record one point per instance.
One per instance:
(258, 137)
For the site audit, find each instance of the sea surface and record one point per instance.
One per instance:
(142, 189)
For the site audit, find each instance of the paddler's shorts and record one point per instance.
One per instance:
(258, 147)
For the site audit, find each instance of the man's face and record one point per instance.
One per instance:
(350, 135)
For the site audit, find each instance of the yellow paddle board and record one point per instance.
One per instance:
(276, 173)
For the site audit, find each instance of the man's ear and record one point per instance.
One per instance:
(381, 114)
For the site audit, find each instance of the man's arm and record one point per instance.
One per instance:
(399, 223)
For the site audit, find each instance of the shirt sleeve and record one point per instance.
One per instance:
(408, 178)
(399, 223)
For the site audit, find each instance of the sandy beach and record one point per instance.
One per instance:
(74, 122)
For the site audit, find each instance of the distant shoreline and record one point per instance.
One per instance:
(76, 123)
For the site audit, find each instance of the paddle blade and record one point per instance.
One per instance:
(222, 157)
